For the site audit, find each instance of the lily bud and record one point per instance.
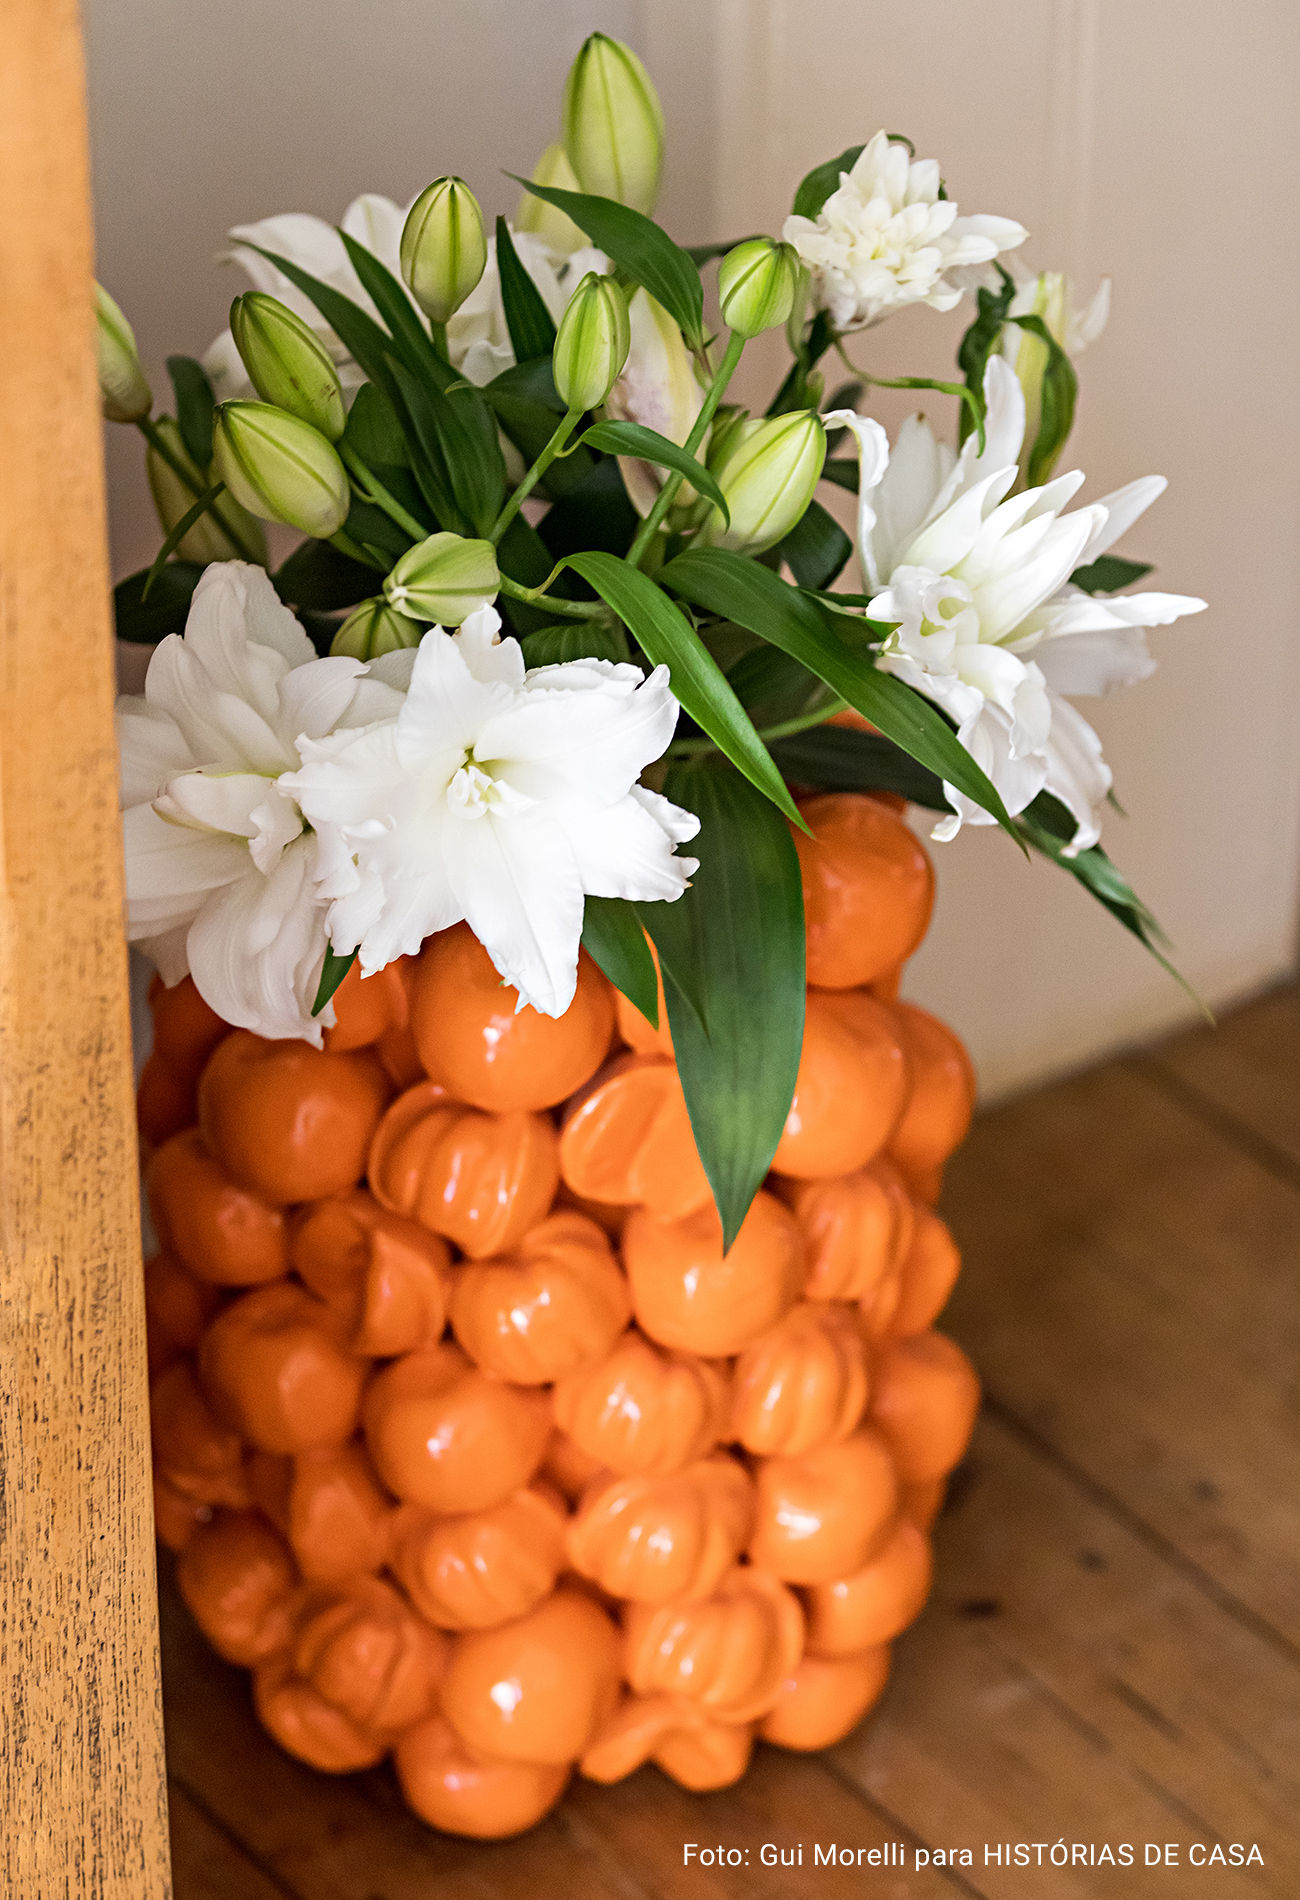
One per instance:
(756, 285)
(444, 249)
(210, 537)
(372, 629)
(613, 124)
(279, 467)
(592, 344)
(444, 579)
(124, 392)
(555, 228)
(657, 388)
(287, 363)
(768, 476)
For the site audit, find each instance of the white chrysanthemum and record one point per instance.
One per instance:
(478, 341)
(886, 238)
(975, 580)
(501, 797)
(221, 871)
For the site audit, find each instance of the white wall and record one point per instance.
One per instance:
(1149, 139)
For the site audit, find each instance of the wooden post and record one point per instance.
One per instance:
(82, 1790)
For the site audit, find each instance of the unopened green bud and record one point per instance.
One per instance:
(592, 343)
(768, 476)
(444, 579)
(374, 628)
(756, 285)
(613, 124)
(728, 427)
(211, 537)
(287, 363)
(444, 249)
(279, 467)
(554, 227)
(124, 393)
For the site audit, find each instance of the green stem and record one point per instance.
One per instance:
(355, 552)
(668, 493)
(371, 489)
(535, 596)
(158, 442)
(692, 748)
(516, 501)
(439, 333)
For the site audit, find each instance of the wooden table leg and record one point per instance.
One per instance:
(82, 1789)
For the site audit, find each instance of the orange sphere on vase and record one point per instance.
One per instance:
(291, 1122)
(177, 1307)
(689, 1295)
(444, 1435)
(219, 1230)
(366, 1009)
(868, 889)
(729, 1651)
(925, 1399)
(940, 1102)
(822, 1700)
(472, 1038)
(331, 1507)
(678, 1735)
(627, 1139)
(641, 1409)
(536, 1689)
(387, 1278)
(874, 1604)
(857, 1229)
(824, 1513)
(559, 1300)
(186, 1030)
(277, 1365)
(850, 1089)
(367, 1654)
(238, 1579)
(473, 1570)
(800, 1385)
(194, 1452)
(308, 1727)
(461, 1792)
(651, 1539)
(637, 1031)
(929, 1274)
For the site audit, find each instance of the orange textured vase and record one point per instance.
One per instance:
(474, 1446)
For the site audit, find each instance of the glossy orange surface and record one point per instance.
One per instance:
(368, 1008)
(627, 1139)
(237, 1577)
(728, 1651)
(460, 1792)
(821, 1700)
(925, 1399)
(874, 1604)
(276, 1365)
(164, 1103)
(331, 1507)
(536, 1689)
(928, 1277)
(857, 1229)
(488, 1053)
(366, 1654)
(940, 1101)
(386, 1277)
(687, 1294)
(825, 1513)
(177, 1307)
(649, 1540)
(557, 1302)
(290, 1122)
(850, 1089)
(185, 1029)
(475, 1569)
(678, 1735)
(445, 1435)
(868, 889)
(800, 1385)
(482, 1180)
(643, 1410)
(218, 1229)
(194, 1452)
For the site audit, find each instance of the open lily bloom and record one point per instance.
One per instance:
(220, 867)
(887, 238)
(974, 581)
(501, 797)
(478, 341)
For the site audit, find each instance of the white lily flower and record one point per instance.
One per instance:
(478, 341)
(220, 868)
(974, 580)
(501, 797)
(886, 238)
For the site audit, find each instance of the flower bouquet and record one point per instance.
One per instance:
(542, 1326)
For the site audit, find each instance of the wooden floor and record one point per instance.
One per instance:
(1112, 1653)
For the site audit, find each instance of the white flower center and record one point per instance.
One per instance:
(474, 792)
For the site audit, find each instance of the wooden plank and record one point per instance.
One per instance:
(81, 1770)
(1066, 1681)
(1248, 1069)
(1129, 1295)
(208, 1865)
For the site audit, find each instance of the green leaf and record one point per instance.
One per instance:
(1108, 574)
(638, 246)
(178, 534)
(1059, 393)
(613, 937)
(844, 473)
(530, 426)
(768, 678)
(145, 623)
(371, 528)
(816, 548)
(575, 640)
(647, 445)
(843, 759)
(704, 253)
(532, 381)
(822, 180)
(795, 392)
(332, 974)
(316, 576)
(596, 515)
(458, 424)
(667, 639)
(357, 331)
(375, 431)
(531, 327)
(980, 339)
(739, 930)
(428, 463)
(738, 589)
(405, 326)
(194, 406)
